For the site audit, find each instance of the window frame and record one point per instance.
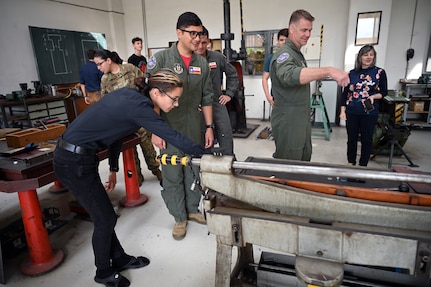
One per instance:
(267, 46)
(368, 28)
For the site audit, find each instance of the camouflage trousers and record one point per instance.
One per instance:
(148, 151)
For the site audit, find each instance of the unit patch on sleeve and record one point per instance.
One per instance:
(152, 62)
(282, 58)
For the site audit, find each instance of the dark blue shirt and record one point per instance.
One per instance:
(118, 114)
(267, 63)
(90, 76)
(363, 84)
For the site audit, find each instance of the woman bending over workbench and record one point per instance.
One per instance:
(104, 125)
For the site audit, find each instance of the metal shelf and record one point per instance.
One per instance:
(417, 93)
(25, 112)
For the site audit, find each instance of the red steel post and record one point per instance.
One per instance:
(133, 196)
(42, 258)
(57, 187)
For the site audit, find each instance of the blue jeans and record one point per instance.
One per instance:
(79, 174)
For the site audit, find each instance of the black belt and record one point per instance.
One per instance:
(75, 148)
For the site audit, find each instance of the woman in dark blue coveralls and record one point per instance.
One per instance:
(104, 125)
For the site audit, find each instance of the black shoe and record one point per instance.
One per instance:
(115, 280)
(134, 263)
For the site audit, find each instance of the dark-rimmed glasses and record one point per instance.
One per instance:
(174, 100)
(100, 64)
(194, 34)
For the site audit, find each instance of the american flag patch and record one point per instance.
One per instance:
(213, 65)
(195, 70)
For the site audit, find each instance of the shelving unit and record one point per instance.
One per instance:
(417, 111)
(259, 45)
(26, 113)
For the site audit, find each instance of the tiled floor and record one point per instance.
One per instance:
(146, 230)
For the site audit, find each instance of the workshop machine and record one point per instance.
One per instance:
(236, 107)
(318, 239)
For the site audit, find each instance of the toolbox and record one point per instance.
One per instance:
(34, 135)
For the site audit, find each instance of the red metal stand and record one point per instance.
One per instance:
(42, 258)
(133, 196)
(57, 187)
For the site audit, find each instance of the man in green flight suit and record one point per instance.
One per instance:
(290, 77)
(218, 66)
(181, 201)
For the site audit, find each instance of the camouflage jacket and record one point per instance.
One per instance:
(124, 78)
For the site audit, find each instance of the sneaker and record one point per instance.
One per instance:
(197, 217)
(158, 174)
(180, 229)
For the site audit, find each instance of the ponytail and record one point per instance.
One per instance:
(164, 80)
(106, 54)
(142, 85)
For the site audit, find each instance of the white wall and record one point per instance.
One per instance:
(277, 14)
(16, 52)
(339, 20)
(398, 18)
(135, 25)
(367, 6)
(121, 20)
(403, 20)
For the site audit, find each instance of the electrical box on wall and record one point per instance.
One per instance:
(311, 50)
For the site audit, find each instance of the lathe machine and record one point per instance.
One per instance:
(314, 238)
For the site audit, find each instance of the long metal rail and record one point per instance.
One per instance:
(330, 171)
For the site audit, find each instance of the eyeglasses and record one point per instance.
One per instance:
(174, 100)
(194, 34)
(100, 64)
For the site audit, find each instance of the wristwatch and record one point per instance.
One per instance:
(114, 169)
(211, 126)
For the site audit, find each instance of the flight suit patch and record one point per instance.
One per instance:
(213, 65)
(152, 62)
(178, 68)
(195, 70)
(282, 58)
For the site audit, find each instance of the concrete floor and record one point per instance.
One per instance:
(146, 230)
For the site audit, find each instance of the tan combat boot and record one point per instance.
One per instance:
(197, 217)
(180, 229)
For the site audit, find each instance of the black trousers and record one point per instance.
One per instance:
(80, 175)
(360, 125)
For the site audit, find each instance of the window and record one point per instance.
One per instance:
(258, 45)
(368, 28)
(428, 59)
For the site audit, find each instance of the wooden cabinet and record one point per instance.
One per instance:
(26, 113)
(417, 110)
(75, 105)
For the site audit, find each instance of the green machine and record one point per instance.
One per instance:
(390, 134)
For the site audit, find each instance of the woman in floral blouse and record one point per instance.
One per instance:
(367, 82)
